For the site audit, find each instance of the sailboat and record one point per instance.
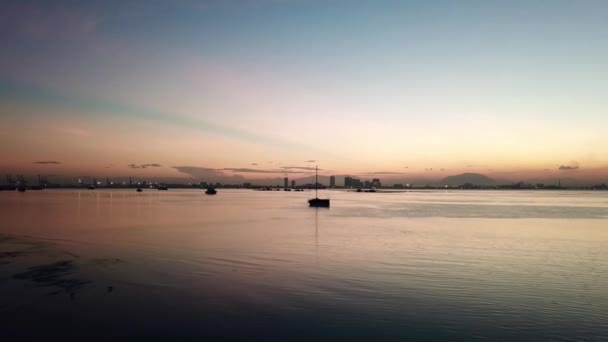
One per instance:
(318, 202)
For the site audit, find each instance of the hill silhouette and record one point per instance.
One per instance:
(472, 178)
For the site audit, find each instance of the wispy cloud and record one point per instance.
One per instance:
(143, 166)
(310, 161)
(305, 168)
(282, 170)
(47, 162)
(383, 173)
(568, 167)
(248, 170)
(19, 92)
(209, 174)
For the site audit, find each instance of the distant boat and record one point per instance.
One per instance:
(211, 191)
(139, 190)
(359, 190)
(162, 187)
(21, 188)
(287, 189)
(91, 187)
(318, 202)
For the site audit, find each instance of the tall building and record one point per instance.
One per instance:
(350, 182)
(293, 183)
(376, 183)
(332, 181)
(286, 182)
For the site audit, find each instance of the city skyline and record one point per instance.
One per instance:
(328, 179)
(391, 89)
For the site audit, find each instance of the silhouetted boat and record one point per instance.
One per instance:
(91, 187)
(162, 187)
(211, 191)
(318, 202)
(21, 188)
(139, 190)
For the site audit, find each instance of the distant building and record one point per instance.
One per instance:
(376, 183)
(293, 183)
(285, 182)
(350, 182)
(332, 181)
(367, 184)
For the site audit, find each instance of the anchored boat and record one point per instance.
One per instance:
(318, 202)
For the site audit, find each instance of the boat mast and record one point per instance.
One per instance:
(316, 180)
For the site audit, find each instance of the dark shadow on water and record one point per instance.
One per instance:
(106, 262)
(57, 275)
(11, 254)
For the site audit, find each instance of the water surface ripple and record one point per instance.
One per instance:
(247, 265)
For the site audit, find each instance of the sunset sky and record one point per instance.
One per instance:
(259, 89)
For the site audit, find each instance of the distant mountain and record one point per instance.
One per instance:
(311, 179)
(472, 178)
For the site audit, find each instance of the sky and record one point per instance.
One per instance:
(270, 88)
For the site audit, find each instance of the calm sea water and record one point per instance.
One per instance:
(247, 265)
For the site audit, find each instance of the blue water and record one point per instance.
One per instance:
(246, 265)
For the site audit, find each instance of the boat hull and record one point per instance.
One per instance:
(319, 203)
